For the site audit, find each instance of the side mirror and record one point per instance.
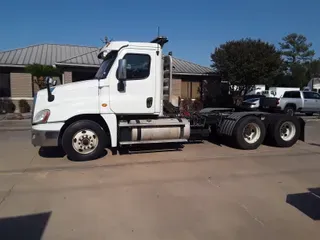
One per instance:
(122, 70)
(49, 81)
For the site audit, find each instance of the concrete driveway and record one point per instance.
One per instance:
(205, 191)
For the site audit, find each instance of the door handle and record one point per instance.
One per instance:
(149, 102)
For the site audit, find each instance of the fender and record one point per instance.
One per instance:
(112, 123)
(228, 124)
(302, 127)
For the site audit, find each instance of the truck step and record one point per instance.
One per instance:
(124, 124)
(153, 141)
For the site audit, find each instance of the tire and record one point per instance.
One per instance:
(84, 140)
(280, 138)
(309, 114)
(289, 110)
(245, 124)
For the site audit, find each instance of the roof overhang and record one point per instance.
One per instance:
(12, 65)
(195, 74)
(75, 65)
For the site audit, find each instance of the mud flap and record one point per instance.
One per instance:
(302, 132)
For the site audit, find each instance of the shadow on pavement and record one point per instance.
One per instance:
(216, 140)
(24, 227)
(150, 148)
(308, 202)
(51, 152)
(315, 144)
(58, 152)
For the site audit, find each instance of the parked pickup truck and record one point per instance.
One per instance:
(300, 101)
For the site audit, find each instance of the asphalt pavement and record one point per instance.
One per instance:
(204, 191)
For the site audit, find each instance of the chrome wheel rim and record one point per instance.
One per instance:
(85, 141)
(251, 133)
(287, 131)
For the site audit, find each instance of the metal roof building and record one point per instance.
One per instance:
(73, 55)
(79, 63)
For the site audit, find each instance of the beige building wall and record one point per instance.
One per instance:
(21, 88)
(67, 77)
(176, 87)
(21, 85)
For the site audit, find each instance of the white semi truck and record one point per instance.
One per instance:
(128, 103)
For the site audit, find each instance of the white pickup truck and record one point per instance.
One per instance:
(300, 101)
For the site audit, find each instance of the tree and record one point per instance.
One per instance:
(247, 62)
(39, 72)
(295, 49)
(298, 75)
(314, 69)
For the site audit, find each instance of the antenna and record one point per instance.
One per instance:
(105, 40)
(158, 31)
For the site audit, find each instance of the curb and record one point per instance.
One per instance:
(10, 129)
(312, 120)
(15, 120)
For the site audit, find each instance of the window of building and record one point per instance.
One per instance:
(82, 75)
(190, 89)
(5, 90)
(138, 66)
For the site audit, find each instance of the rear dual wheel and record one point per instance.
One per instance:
(249, 133)
(285, 131)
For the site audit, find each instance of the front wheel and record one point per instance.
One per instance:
(84, 140)
(249, 133)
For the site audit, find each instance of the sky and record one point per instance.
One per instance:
(194, 28)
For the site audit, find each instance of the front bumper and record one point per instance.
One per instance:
(46, 135)
(45, 138)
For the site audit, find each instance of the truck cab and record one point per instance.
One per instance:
(126, 94)
(135, 91)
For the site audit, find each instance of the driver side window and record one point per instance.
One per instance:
(138, 66)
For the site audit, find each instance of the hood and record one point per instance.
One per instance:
(69, 99)
(68, 90)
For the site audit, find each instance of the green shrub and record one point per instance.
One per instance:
(24, 106)
(191, 106)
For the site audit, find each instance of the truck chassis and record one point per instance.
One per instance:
(242, 130)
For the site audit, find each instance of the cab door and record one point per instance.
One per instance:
(138, 94)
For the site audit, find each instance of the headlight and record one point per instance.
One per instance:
(42, 116)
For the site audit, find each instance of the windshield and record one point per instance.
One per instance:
(106, 65)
